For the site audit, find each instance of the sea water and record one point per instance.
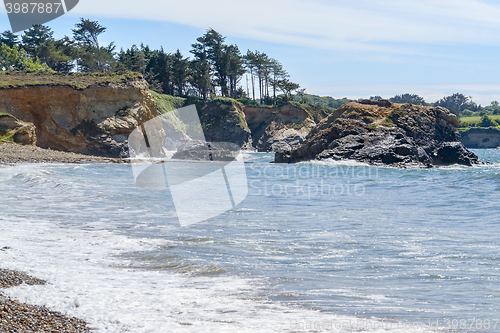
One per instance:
(315, 247)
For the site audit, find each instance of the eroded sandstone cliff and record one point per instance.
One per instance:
(94, 120)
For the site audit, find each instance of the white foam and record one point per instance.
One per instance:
(87, 279)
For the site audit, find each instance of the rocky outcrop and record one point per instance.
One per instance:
(224, 121)
(383, 133)
(207, 151)
(481, 137)
(95, 120)
(12, 129)
(280, 128)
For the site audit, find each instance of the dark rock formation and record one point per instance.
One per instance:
(207, 151)
(281, 128)
(224, 122)
(382, 133)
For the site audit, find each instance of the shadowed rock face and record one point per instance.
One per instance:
(95, 120)
(382, 133)
(481, 138)
(278, 129)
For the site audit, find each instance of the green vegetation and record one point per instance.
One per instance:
(74, 80)
(226, 100)
(476, 119)
(215, 69)
(6, 133)
(323, 101)
(367, 119)
(167, 103)
(242, 123)
(387, 122)
(408, 98)
(482, 120)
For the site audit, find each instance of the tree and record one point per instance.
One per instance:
(159, 69)
(9, 39)
(91, 56)
(278, 73)
(133, 60)
(235, 68)
(486, 122)
(250, 61)
(18, 59)
(93, 60)
(88, 32)
(57, 54)
(457, 102)
(200, 67)
(180, 66)
(408, 98)
(287, 87)
(34, 37)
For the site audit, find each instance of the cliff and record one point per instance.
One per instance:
(383, 133)
(89, 114)
(223, 120)
(481, 137)
(281, 128)
(266, 129)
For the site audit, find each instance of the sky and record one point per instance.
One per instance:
(338, 48)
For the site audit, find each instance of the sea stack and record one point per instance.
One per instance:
(385, 133)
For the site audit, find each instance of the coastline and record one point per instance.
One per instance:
(12, 153)
(20, 317)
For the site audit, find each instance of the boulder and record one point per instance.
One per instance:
(383, 133)
(12, 129)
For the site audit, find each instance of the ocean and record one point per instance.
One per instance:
(315, 247)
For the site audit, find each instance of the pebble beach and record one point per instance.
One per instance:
(11, 153)
(23, 318)
(16, 316)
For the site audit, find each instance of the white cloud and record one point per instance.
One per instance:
(370, 25)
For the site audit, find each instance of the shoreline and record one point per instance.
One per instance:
(12, 153)
(19, 317)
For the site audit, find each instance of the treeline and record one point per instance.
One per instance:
(459, 104)
(214, 68)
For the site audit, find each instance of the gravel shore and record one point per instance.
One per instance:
(11, 153)
(17, 317)
(23, 318)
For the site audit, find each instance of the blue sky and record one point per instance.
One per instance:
(338, 48)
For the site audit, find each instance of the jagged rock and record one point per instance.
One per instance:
(280, 128)
(385, 134)
(224, 121)
(207, 151)
(19, 131)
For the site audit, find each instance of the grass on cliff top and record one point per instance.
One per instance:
(167, 103)
(476, 119)
(14, 79)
